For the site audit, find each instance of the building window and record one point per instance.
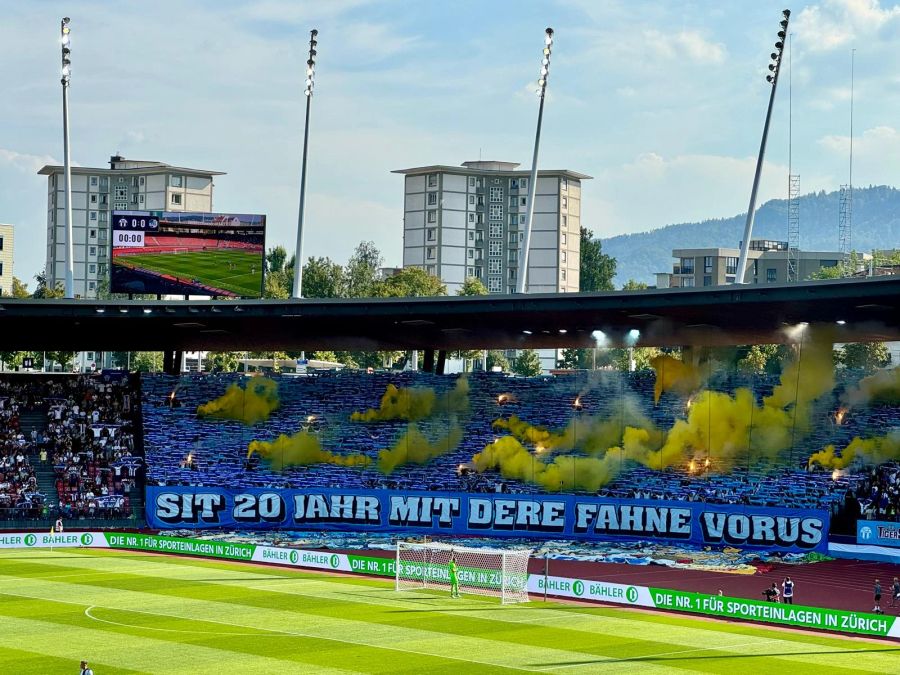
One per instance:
(141, 199)
(479, 200)
(496, 231)
(470, 254)
(731, 265)
(92, 268)
(478, 182)
(104, 200)
(94, 181)
(513, 200)
(513, 219)
(134, 199)
(523, 201)
(176, 199)
(513, 238)
(429, 253)
(471, 217)
(121, 193)
(523, 183)
(563, 238)
(91, 285)
(471, 235)
(562, 275)
(496, 181)
(493, 267)
(522, 219)
(496, 212)
(432, 180)
(477, 272)
(771, 275)
(565, 203)
(828, 263)
(513, 183)
(513, 256)
(120, 206)
(494, 285)
(471, 181)
(92, 250)
(431, 234)
(176, 181)
(121, 179)
(687, 282)
(432, 199)
(479, 218)
(729, 280)
(141, 180)
(563, 183)
(511, 273)
(432, 216)
(1, 269)
(93, 215)
(472, 200)
(431, 269)
(564, 256)
(687, 265)
(707, 280)
(134, 182)
(707, 264)
(93, 199)
(93, 234)
(496, 194)
(495, 248)
(104, 183)
(470, 271)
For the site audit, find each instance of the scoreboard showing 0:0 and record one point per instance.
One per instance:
(124, 238)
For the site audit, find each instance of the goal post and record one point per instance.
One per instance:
(481, 571)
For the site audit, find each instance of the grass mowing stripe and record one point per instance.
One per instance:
(634, 632)
(26, 662)
(137, 653)
(137, 580)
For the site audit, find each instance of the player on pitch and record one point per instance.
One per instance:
(454, 576)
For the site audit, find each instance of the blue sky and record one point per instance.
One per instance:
(662, 102)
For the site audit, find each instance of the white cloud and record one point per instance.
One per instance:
(690, 45)
(876, 154)
(26, 163)
(837, 23)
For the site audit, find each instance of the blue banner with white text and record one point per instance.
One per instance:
(877, 533)
(489, 515)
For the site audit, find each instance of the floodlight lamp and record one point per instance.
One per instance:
(314, 32)
(308, 92)
(527, 332)
(772, 67)
(544, 71)
(784, 23)
(769, 78)
(545, 62)
(310, 72)
(309, 83)
(312, 53)
(313, 43)
(634, 332)
(546, 52)
(548, 41)
(773, 55)
(840, 322)
(781, 34)
(66, 71)
(787, 13)
(779, 45)
(66, 51)
(65, 39)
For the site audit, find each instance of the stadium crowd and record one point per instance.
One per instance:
(84, 426)
(877, 497)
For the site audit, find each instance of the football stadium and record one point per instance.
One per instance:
(691, 516)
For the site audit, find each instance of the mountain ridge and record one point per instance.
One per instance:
(876, 224)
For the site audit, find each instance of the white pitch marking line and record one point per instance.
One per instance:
(282, 632)
(87, 613)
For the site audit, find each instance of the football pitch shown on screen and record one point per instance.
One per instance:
(238, 272)
(144, 613)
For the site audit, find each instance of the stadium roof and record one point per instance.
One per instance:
(724, 315)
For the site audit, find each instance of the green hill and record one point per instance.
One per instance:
(876, 224)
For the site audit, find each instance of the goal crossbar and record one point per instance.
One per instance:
(500, 573)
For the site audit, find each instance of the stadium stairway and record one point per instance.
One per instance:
(43, 471)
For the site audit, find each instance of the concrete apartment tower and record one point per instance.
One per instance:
(469, 221)
(6, 259)
(126, 185)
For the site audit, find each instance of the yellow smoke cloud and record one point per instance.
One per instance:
(251, 404)
(414, 447)
(563, 473)
(300, 449)
(673, 375)
(416, 404)
(869, 451)
(882, 386)
(591, 434)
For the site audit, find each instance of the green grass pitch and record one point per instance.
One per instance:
(143, 613)
(209, 267)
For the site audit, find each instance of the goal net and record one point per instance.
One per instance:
(482, 571)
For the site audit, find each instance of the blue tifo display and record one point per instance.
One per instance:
(686, 438)
(564, 516)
